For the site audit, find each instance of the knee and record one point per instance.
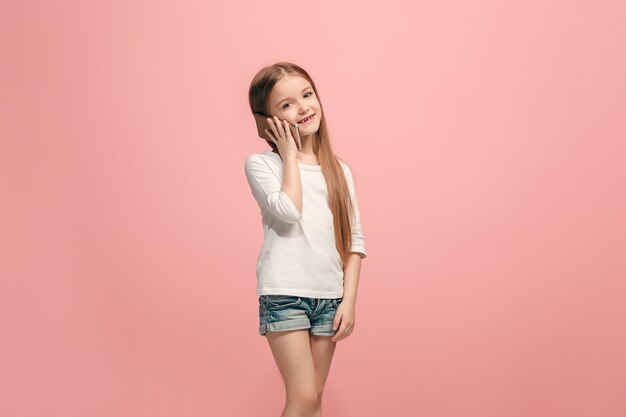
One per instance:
(319, 392)
(306, 398)
(317, 409)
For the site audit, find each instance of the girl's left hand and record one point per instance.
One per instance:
(344, 320)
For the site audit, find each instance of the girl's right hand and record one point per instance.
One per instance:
(281, 135)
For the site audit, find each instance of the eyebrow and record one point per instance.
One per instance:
(306, 88)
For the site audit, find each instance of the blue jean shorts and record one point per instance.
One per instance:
(290, 312)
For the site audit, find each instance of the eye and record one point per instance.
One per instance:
(285, 105)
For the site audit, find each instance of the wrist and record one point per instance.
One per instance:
(349, 299)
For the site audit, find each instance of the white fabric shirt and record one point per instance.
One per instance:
(299, 254)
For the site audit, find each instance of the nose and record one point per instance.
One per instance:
(304, 109)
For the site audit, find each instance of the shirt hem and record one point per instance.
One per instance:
(300, 293)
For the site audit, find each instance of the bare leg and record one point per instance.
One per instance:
(322, 349)
(292, 352)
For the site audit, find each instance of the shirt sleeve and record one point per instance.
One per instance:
(266, 189)
(358, 241)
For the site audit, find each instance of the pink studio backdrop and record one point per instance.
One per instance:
(487, 142)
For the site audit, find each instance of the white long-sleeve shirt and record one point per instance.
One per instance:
(299, 254)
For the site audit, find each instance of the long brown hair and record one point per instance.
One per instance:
(338, 194)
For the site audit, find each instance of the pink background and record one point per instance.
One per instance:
(487, 143)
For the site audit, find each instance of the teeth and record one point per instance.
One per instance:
(307, 119)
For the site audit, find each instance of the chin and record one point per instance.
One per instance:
(309, 131)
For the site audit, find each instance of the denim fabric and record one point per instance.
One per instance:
(290, 312)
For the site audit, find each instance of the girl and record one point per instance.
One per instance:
(308, 267)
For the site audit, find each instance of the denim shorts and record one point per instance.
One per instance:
(290, 312)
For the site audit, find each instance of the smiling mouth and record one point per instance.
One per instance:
(308, 119)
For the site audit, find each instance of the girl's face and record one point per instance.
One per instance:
(293, 99)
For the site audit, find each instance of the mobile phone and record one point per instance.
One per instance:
(262, 124)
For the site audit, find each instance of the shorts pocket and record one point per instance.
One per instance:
(282, 301)
(336, 301)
